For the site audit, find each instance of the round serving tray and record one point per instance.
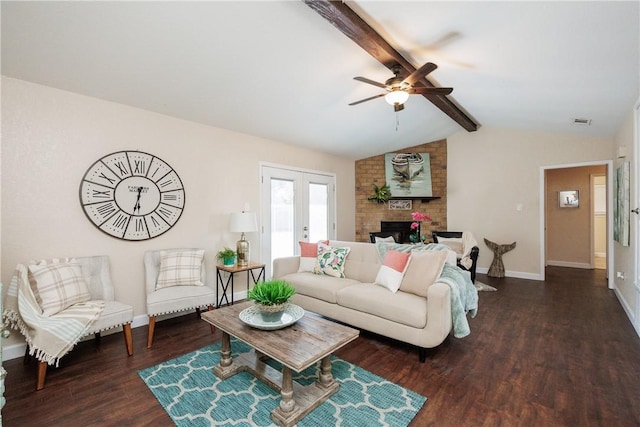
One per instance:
(251, 316)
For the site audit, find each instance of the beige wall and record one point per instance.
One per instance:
(568, 236)
(624, 255)
(492, 171)
(50, 138)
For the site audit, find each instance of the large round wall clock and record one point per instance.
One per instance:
(132, 195)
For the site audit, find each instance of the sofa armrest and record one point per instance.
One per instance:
(285, 265)
(439, 310)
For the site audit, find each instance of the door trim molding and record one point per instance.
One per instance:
(542, 213)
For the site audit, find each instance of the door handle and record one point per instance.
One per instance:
(635, 211)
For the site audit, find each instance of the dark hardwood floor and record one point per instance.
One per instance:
(555, 353)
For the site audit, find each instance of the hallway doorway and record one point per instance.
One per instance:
(568, 230)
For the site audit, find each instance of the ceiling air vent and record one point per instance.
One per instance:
(582, 122)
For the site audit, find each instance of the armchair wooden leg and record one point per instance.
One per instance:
(42, 374)
(127, 338)
(26, 358)
(152, 327)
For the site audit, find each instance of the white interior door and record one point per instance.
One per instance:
(296, 206)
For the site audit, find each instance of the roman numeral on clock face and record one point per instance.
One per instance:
(97, 194)
(120, 221)
(106, 209)
(139, 167)
(103, 176)
(121, 168)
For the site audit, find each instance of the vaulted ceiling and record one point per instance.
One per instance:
(279, 70)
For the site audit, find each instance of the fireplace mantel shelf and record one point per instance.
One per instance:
(424, 199)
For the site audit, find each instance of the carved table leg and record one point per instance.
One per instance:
(326, 377)
(287, 403)
(225, 368)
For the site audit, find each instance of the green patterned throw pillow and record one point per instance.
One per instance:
(330, 261)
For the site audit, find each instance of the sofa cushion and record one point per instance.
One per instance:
(362, 263)
(401, 307)
(330, 260)
(424, 269)
(392, 270)
(317, 286)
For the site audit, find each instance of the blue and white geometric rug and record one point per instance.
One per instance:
(192, 395)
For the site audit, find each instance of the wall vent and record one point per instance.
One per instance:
(582, 122)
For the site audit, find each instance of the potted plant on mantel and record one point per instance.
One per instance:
(271, 298)
(227, 256)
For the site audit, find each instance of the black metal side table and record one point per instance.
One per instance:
(232, 269)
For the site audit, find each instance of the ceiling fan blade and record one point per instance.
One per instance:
(371, 82)
(367, 99)
(430, 90)
(420, 73)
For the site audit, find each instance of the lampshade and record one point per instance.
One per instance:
(396, 96)
(243, 222)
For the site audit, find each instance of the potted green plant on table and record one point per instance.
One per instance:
(271, 298)
(227, 256)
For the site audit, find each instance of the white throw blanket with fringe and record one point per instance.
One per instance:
(468, 242)
(49, 338)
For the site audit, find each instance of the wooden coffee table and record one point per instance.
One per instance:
(296, 347)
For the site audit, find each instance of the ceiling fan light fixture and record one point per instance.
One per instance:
(396, 97)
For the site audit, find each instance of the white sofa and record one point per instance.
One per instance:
(357, 301)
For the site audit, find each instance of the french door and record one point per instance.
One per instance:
(297, 205)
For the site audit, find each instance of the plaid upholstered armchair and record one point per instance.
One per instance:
(55, 303)
(175, 282)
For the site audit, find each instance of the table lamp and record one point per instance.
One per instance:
(244, 222)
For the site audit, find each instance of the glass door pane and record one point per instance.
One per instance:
(296, 206)
(282, 218)
(318, 216)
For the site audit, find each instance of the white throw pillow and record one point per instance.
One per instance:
(180, 268)
(388, 239)
(392, 270)
(59, 284)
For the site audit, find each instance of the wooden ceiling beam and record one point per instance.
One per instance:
(350, 24)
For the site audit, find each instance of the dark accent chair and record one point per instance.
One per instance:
(475, 251)
(394, 234)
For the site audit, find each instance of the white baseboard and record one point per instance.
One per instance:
(584, 265)
(514, 274)
(17, 350)
(628, 310)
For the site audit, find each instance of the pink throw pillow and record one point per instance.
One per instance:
(308, 255)
(392, 270)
